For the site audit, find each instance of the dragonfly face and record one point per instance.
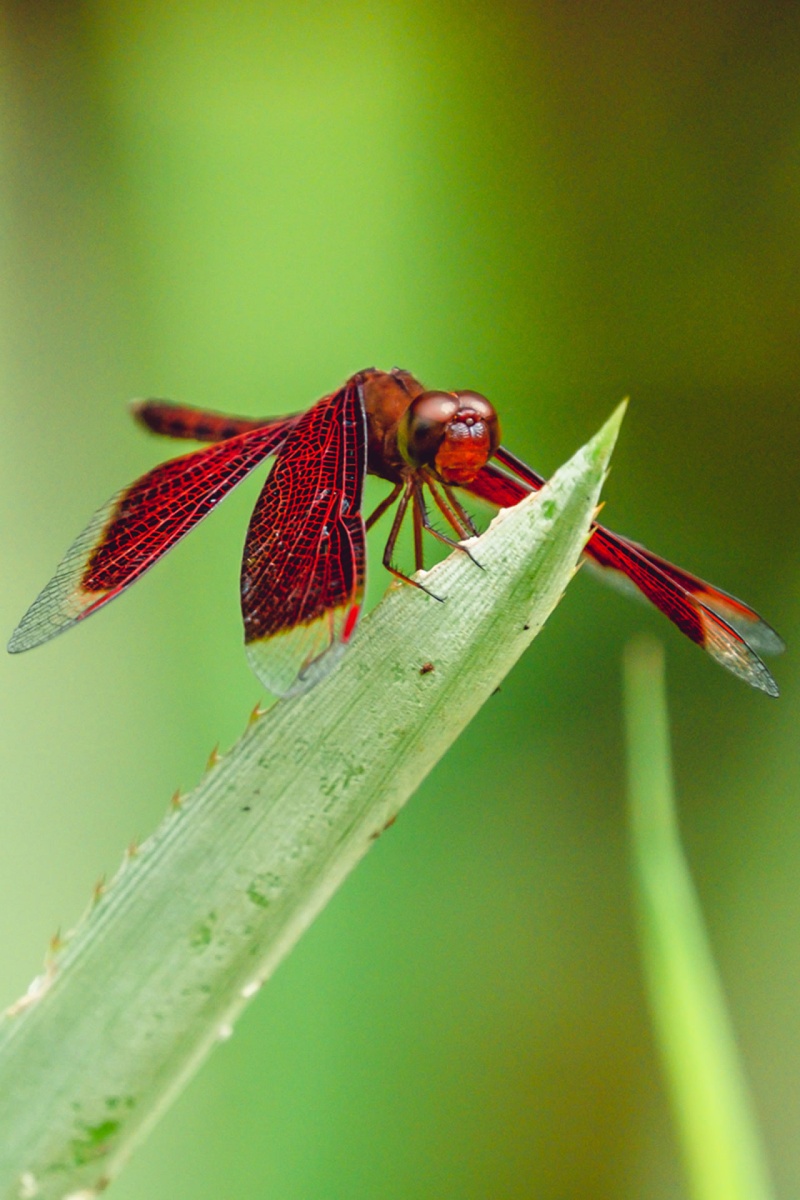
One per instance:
(454, 434)
(447, 435)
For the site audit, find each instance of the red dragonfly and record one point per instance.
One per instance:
(302, 578)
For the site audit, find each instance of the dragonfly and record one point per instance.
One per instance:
(304, 561)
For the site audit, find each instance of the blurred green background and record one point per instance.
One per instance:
(238, 205)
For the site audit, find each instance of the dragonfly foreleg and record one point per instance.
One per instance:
(421, 508)
(460, 511)
(393, 536)
(383, 506)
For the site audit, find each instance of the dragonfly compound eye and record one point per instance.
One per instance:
(423, 425)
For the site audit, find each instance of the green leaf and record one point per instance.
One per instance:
(710, 1101)
(199, 917)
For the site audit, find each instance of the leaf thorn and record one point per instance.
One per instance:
(256, 714)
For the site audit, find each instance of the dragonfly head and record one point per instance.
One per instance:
(453, 433)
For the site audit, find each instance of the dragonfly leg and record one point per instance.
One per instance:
(383, 506)
(460, 511)
(392, 541)
(452, 517)
(419, 552)
(421, 508)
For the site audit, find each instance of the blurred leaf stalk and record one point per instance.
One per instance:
(710, 1102)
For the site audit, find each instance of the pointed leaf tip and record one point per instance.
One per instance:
(603, 442)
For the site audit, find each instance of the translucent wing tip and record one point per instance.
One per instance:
(31, 632)
(725, 645)
(54, 610)
(64, 600)
(754, 629)
(292, 661)
(770, 641)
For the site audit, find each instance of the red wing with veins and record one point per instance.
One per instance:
(303, 567)
(727, 628)
(137, 526)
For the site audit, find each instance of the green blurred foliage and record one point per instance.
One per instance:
(238, 206)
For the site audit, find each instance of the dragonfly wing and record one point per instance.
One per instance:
(744, 619)
(304, 558)
(135, 528)
(729, 630)
(688, 611)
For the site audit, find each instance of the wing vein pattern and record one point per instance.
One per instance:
(136, 528)
(303, 566)
(727, 628)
